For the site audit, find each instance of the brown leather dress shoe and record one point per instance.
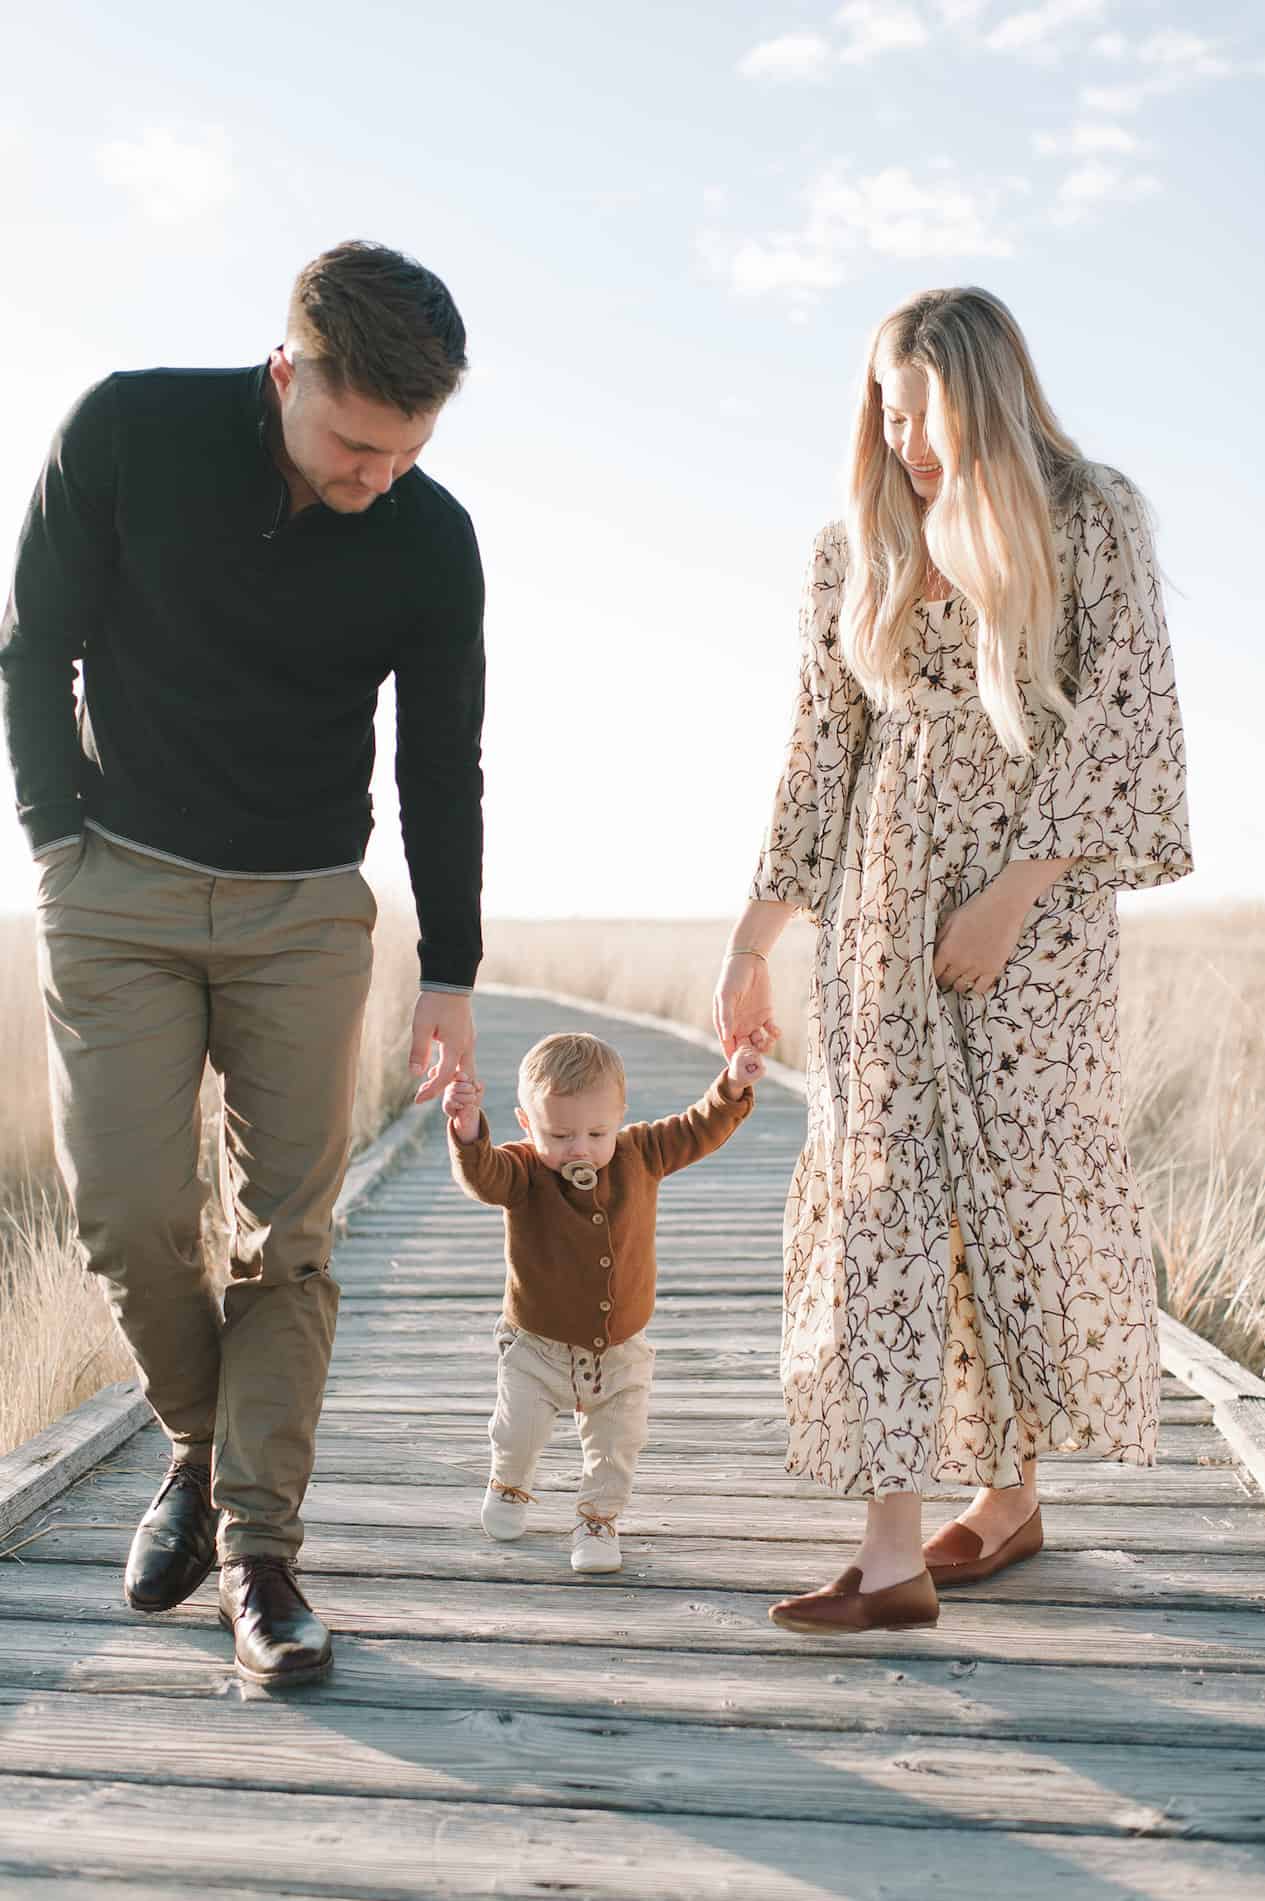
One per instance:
(843, 1608)
(953, 1553)
(278, 1638)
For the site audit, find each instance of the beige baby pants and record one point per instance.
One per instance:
(538, 1378)
(148, 969)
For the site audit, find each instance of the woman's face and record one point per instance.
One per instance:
(905, 428)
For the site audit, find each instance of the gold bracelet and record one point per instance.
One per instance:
(746, 950)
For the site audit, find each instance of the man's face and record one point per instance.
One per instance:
(348, 448)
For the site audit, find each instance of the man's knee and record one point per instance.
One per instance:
(126, 1230)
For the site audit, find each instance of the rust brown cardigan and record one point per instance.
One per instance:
(580, 1263)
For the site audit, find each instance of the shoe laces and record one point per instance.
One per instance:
(194, 1478)
(597, 1524)
(261, 1562)
(512, 1494)
(257, 1565)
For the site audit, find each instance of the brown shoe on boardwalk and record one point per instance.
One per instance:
(953, 1553)
(277, 1635)
(174, 1546)
(843, 1608)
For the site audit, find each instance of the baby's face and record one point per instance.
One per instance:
(579, 1128)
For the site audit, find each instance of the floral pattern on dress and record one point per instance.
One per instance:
(968, 1268)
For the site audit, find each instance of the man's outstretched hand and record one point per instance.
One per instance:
(445, 1018)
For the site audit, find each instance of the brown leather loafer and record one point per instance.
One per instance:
(174, 1546)
(953, 1553)
(842, 1608)
(278, 1638)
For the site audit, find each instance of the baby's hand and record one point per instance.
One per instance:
(746, 1066)
(462, 1101)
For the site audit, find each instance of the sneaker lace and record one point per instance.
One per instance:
(597, 1524)
(513, 1494)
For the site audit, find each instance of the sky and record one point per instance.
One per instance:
(670, 231)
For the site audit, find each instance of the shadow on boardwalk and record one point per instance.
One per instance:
(1090, 1725)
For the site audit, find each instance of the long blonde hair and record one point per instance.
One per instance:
(1006, 464)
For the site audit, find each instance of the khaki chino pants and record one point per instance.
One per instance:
(538, 1378)
(150, 968)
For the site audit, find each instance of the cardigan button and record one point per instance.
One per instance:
(605, 1261)
(599, 1342)
(599, 1219)
(605, 1306)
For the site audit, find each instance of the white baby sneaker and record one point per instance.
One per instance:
(504, 1514)
(595, 1545)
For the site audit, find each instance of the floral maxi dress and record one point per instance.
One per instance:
(968, 1272)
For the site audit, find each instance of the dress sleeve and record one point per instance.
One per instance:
(1112, 790)
(809, 824)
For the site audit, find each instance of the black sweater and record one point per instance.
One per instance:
(231, 655)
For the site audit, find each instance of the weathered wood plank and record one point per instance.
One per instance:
(899, 1696)
(973, 1625)
(347, 1391)
(434, 1459)
(33, 1473)
(1184, 1578)
(1077, 1526)
(379, 1849)
(505, 1754)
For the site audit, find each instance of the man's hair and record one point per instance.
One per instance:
(566, 1064)
(378, 323)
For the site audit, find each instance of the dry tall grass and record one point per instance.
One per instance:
(1194, 1036)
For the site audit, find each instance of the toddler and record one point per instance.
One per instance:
(579, 1195)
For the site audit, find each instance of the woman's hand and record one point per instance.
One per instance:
(742, 1008)
(976, 942)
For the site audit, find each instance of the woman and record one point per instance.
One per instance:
(987, 747)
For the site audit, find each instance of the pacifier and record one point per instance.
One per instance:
(579, 1174)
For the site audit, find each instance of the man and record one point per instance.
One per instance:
(237, 559)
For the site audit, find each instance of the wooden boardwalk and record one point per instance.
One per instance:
(1089, 1726)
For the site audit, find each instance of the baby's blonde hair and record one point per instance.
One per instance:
(568, 1063)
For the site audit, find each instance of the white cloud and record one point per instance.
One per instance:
(1188, 50)
(1167, 62)
(1086, 190)
(876, 28)
(1126, 98)
(171, 178)
(1087, 138)
(794, 56)
(779, 262)
(961, 12)
(894, 215)
(853, 218)
(1109, 46)
(715, 198)
(1033, 30)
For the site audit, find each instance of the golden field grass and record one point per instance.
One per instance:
(1193, 1022)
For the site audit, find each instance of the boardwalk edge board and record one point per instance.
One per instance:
(1233, 1390)
(1236, 1395)
(42, 1468)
